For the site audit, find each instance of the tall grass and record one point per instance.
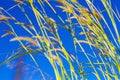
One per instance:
(101, 55)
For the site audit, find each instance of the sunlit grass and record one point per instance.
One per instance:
(103, 62)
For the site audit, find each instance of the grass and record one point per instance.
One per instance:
(102, 63)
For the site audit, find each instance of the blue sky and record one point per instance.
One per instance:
(7, 71)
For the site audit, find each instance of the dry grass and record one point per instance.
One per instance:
(104, 63)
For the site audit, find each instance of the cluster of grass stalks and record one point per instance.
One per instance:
(102, 59)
